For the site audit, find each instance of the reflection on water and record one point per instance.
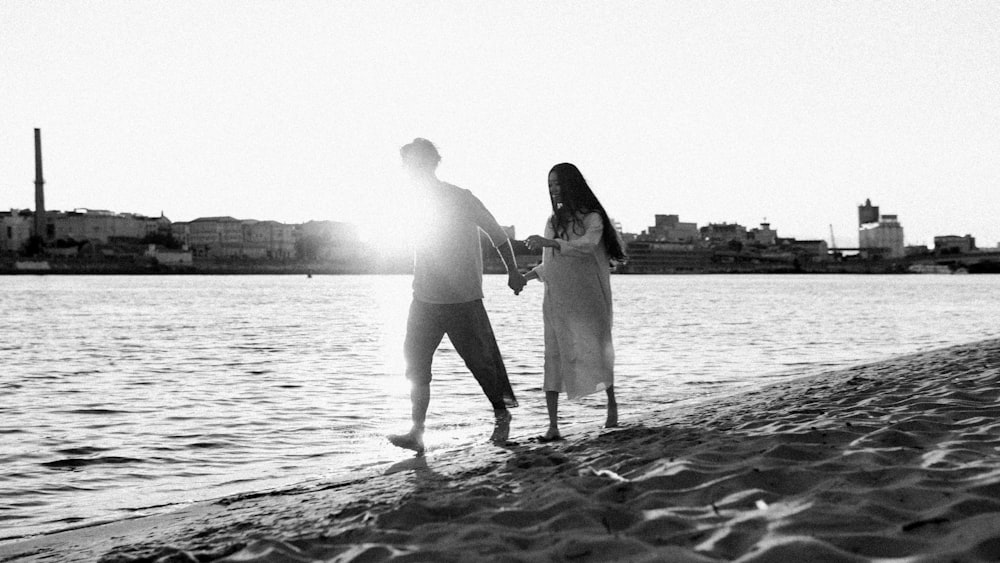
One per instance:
(121, 394)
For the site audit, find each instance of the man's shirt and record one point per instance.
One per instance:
(448, 258)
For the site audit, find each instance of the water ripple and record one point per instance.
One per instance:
(76, 463)
(188, 387)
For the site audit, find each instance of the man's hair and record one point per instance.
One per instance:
(422, 151)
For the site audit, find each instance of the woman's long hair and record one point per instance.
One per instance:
(577, 200)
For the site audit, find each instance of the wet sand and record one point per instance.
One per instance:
(888, 460)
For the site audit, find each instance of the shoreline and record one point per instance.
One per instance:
(894, 458)
(303, 271)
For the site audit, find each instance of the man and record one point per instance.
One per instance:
(448, 292)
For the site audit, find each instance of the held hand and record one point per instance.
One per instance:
(516, 281)
(534, 242)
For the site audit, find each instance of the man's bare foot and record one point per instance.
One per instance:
(409, 441)
(612, 421)
(501, 428)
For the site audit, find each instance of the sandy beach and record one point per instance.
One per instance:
(887, 461)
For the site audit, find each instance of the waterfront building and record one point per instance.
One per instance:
(15, 229)
(210, 236)
(720, 247)
(951, 244)
(720, 234)
(651, 257)
(669, 228)
(101, 226)
(765, 235)
(268, 240)
(228, 237)
(811, 250)
(867, 213)
(217, 237)
(879, 235)
(61, 228)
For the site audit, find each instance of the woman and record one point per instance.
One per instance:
(577, 247)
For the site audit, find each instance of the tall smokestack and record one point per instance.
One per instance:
(39, 189)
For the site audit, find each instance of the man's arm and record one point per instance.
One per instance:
(515, 280)
(485, 221)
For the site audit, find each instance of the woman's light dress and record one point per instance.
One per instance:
(577, 310)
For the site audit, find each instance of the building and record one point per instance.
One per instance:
(219, 237)
(764, 236)
(884, 238)
(670, 229)
(720, 234)
(650, 257)
(812, 250)
(951, 244)
(100, 226)
(269, 240)
(867, 213)
(879, 235)
(228, 237)
(79, 226)
(15, 229)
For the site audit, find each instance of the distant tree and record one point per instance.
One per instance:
(34, 246)
(308, 247)
(162, 239)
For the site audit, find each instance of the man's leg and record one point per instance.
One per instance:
(420, 398)
(423, 334)
(469, 329)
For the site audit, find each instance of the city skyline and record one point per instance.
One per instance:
(790, 113)
(361, 230)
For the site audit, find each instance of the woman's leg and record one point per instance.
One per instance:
(552, 404)
(612, 409)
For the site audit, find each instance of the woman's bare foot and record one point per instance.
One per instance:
(551, 435)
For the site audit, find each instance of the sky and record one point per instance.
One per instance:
(790, 112)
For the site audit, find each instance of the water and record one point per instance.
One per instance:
(128, 395)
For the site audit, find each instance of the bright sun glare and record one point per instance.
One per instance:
(386, 238)
(391, 306)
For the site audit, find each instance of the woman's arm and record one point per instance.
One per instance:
(535, 242)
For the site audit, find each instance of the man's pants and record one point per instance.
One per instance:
(468, 327)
